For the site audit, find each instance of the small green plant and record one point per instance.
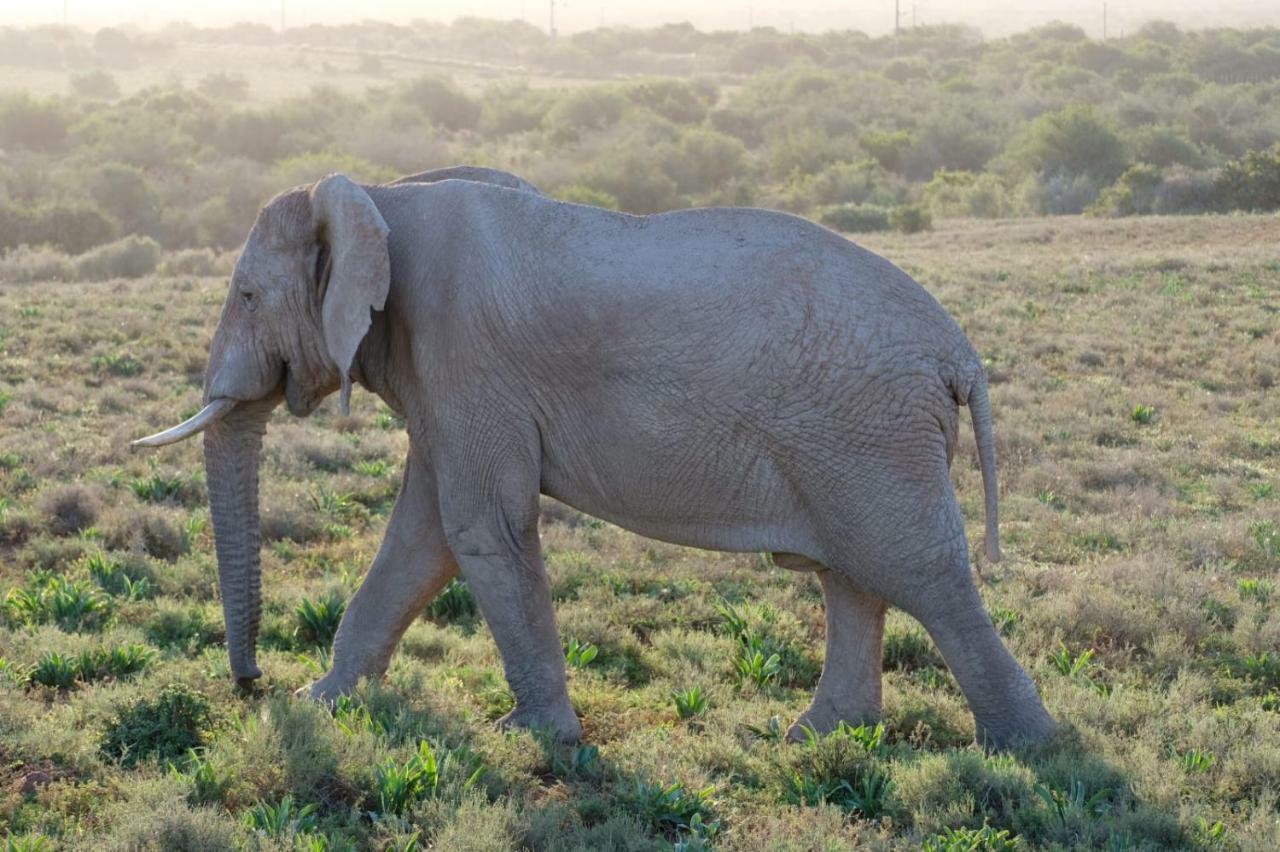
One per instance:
(1210, 833)
(207, 785)
(373, 467)
(26, 843)
(120, 364)
(71, 604)
(1142, 414)
(159, 488)
(1267, 536)
(1261, 669)
(454, 603)
(401, 784)
(672, 808)
(1261, 491)
(167, 726)
(317, 621)
(1255, 589)
(5, 399)
(1195, 761)
(580, 655)
(1051, 499)
(770, 731)
(1072, 800)
(56, 671)
(691, 702)
(281, 820)
(1071, 665)
(112, 578)
(985, 839)
(753, 666)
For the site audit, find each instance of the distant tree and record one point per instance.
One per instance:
(32, 124)
(1072, 142)
(223, 86)
(705, 159)
(443, 103)
(95, 85)
(1251, 182)
(675, 100)
(125, 193)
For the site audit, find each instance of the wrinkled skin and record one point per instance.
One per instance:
(728, 379)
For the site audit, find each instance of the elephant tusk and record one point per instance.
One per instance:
(210, 414)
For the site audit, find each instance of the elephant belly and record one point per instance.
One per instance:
(712, 494)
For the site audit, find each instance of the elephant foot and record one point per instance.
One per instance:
(328, 689)
(1030, 727)
(823, 719)
(561, 722)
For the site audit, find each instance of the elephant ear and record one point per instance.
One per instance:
(360, 268)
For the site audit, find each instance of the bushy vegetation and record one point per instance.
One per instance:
(1139, 588)
(862, 133)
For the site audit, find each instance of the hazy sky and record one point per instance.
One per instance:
(875, 16)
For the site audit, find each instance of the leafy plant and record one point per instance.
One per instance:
(373, 467)
(112, 578)
(770, 731)
(317, 621)
(121, 364)
(167, 726)
(56, 671)
(1195, 760)
(158, 488)
(691, 702)
(26, 843)
(455, 602)
(281, 820)
(580, 655)
(1073, 800)
(71, 604)
(985, 839)
(207, 785)
(400, 785)
(1142, 414)
(672, 808)
(753, 666)
(1256, 589)
(1071, 665)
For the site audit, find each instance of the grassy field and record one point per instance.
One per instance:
(1134, 368)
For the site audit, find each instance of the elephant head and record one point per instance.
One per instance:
(314, 266)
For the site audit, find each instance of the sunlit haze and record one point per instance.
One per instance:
(994, 17)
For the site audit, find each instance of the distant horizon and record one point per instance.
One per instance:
(994, 18)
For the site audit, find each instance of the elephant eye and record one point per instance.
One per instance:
(249, 299)
(322, 263)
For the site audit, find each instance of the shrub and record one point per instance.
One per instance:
(1134, 193)
(1252, 182)
(910, 219)
(167, 727)
(71, 604)
(71, 509)
(28, 123)
(579, 194)
(317, 622)
(131, 257)
(24, 265)
(96, 85)
(855, 218)
(455, 602)
(442, 102)
(1072, 142)
(192, 262)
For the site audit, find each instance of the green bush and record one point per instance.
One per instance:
(855, 218)
(442, 102)
(165, 727)
(1072, 142)
(1251, 182)
(910, 219)
(131, 257)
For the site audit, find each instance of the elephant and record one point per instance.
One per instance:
(728, 379)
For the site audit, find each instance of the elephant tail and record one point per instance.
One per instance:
(980, 410)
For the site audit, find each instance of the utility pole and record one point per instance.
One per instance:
(281, 15)
(1104, 21)
(897, 18)
(551, 26)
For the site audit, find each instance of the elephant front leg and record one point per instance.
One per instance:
(412, 566)
(494, 536)
(850, 687)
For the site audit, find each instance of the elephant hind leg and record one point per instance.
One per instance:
(850, 687)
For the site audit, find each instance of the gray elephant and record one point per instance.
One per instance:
(729, 379)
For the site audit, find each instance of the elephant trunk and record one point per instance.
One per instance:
(232, 447)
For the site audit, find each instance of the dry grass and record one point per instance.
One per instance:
(1133, 368)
